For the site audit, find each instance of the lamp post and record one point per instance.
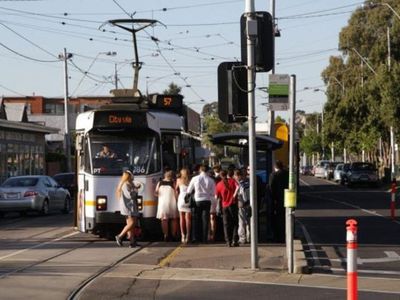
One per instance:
(322, 124)
(392, 138)
(67, 141)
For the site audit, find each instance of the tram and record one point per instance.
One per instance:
(144, 137)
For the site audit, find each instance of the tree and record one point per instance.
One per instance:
(212, 125)
(173, 89)
(363, 104)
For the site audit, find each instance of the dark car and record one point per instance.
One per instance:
(362, 173)
(67, 181)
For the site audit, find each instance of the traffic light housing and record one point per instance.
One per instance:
(232, 92)
(264, 47)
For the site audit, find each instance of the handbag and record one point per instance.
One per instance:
(189, 199)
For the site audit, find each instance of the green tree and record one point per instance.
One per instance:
(362, 104)
(173, 89)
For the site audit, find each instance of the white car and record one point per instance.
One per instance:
(319, 170)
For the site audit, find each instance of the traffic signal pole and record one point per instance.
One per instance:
(251, 33)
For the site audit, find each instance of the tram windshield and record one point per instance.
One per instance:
(111, 154)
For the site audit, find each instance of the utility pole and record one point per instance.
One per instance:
(67, 139)
(271, 113)
(251, 26)
(290, 194)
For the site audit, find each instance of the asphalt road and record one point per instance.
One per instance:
(44, 258)
(323, 209)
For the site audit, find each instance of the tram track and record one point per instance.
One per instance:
(77, 292)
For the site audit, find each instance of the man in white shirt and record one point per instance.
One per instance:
(204, 191)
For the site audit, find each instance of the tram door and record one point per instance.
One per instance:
(81, 148)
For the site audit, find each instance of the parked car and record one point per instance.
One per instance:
(362, 173)
(33, 193)
(329, 169)
(339, 175)
(319, 169)
(67, 181)
(306, 170)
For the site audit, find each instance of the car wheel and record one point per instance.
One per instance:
(45, 208)
(67, 205)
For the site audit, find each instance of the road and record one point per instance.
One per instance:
(42, 257)
(321, 215)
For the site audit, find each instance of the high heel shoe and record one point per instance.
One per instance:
(183, 239)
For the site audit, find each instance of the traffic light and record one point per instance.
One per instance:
(232, 92)
(264, 48)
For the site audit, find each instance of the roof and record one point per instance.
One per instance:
(27, 127)
(263, 141)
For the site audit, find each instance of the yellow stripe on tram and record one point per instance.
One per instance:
(90, 203)
(149, 203)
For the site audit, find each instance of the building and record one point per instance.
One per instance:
(22, 143)
(49, 112)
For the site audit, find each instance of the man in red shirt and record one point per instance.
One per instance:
(226, 191)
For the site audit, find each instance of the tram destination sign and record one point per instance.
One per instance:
(278, 91)
(120, 119)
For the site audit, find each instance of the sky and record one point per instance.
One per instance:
(189, 41)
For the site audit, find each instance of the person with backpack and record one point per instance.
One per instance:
(243, 206)
(226, 191)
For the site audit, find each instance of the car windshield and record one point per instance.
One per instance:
(20, 182)
(363, 167)
(111, 154)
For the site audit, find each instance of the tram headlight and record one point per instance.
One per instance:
(140, 202)
(101, 202)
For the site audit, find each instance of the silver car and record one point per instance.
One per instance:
(33, 193)
(340, 173)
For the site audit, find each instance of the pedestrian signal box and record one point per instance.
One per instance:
(232, 92)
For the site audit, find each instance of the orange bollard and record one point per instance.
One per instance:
(351, 237)
(393, 200)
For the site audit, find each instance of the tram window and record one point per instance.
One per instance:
(140, 154)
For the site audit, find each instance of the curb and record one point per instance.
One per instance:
(300, 261)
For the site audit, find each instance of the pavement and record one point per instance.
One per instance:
(212, 263)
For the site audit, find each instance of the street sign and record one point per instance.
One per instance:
(278, 92)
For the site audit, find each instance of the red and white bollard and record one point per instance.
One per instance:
(351, 237)
(393, 200)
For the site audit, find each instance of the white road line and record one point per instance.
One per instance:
(306, 184)
(374, 213)
(313, 250)
(38, 245)
(370, 272)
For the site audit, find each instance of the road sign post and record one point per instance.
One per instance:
(290, 194)
(278, 92)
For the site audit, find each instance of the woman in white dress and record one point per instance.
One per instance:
(167, 208)
(185, 213)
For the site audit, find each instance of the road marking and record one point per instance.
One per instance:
(374, 213)
(306, 184)
(313, 250)
(166, 260)
(391, 257)
(370, 272)
(38, 245)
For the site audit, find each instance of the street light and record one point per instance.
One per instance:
(392, 139)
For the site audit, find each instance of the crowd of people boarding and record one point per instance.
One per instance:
(191, 201)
